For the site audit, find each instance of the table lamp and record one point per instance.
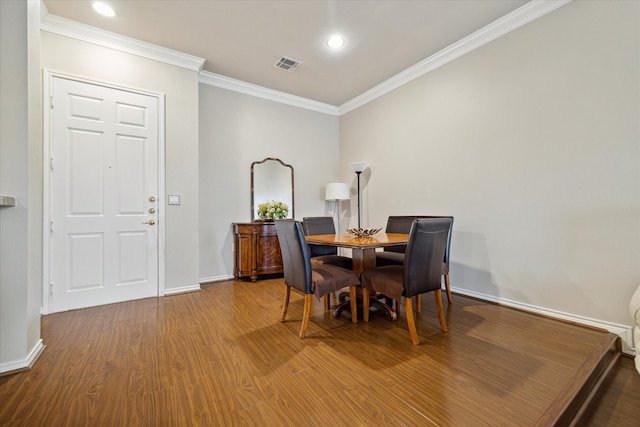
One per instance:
(358, 167)
(337, 191)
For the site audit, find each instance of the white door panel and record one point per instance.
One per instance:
(105, 171)
(86, 252)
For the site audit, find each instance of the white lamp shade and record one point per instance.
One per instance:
(337, 191)
(358, 166)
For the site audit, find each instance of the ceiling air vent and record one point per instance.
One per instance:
(287, 64)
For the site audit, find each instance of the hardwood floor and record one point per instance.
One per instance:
(617, 401)
(219, 357)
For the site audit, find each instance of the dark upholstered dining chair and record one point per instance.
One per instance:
(394, 255)
(324, 254)
(318, 280)
(420, 273)
(313, 225)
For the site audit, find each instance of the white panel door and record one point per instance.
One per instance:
(103, 204)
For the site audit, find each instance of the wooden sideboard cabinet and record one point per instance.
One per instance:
(257, 251)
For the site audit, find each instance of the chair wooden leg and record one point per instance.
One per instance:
(365, 304)
(437, 294)
(418, 303)
(447, 286)
(285, 304)
(305, 314)
(411, 322)
(353, 294)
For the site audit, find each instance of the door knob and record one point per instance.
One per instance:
(150, 222)
(152, 199)
(152, 210)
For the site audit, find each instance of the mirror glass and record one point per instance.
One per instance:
(271, 179)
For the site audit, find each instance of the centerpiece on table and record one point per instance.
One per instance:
(273, 210)
(363, 232)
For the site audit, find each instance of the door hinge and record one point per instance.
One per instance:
(51, 163)
(51, 289)
(51, 101)
(51, 226)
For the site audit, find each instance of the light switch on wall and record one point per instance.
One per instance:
(174, 200)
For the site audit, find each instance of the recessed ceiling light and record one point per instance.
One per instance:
(103, 9)
(335, 42)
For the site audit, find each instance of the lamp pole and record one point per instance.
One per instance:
(358, 174)
(337, 191)
(358, 167)
(338, 214)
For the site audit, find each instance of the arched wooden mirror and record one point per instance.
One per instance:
(271, 179)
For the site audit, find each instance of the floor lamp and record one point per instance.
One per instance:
(337, 191)
(358, 167)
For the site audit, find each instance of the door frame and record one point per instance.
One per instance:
(47, 93)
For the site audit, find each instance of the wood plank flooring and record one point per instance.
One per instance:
(617, 401)
(219, 357)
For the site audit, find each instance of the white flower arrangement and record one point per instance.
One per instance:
(273, 210)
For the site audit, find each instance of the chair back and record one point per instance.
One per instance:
(448, 248)
(295, 255)
(313, 225)
(402, 224)
(423, 258)
(399, 224)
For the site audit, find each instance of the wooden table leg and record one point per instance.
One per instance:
(363, 259)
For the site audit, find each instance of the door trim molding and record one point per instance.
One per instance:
(47, 93)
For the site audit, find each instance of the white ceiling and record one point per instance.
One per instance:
(244, 39)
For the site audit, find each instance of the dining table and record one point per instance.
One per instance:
(363, 253)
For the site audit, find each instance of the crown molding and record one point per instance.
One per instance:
(516, 19)
(66, 27)
(217, 80)
(519, 17)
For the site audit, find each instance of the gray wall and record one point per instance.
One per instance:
(532, 142)
(20, 177)
(236, 130)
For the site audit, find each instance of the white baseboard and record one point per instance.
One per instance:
(27, 363)
(625, 332)
(182, 289)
